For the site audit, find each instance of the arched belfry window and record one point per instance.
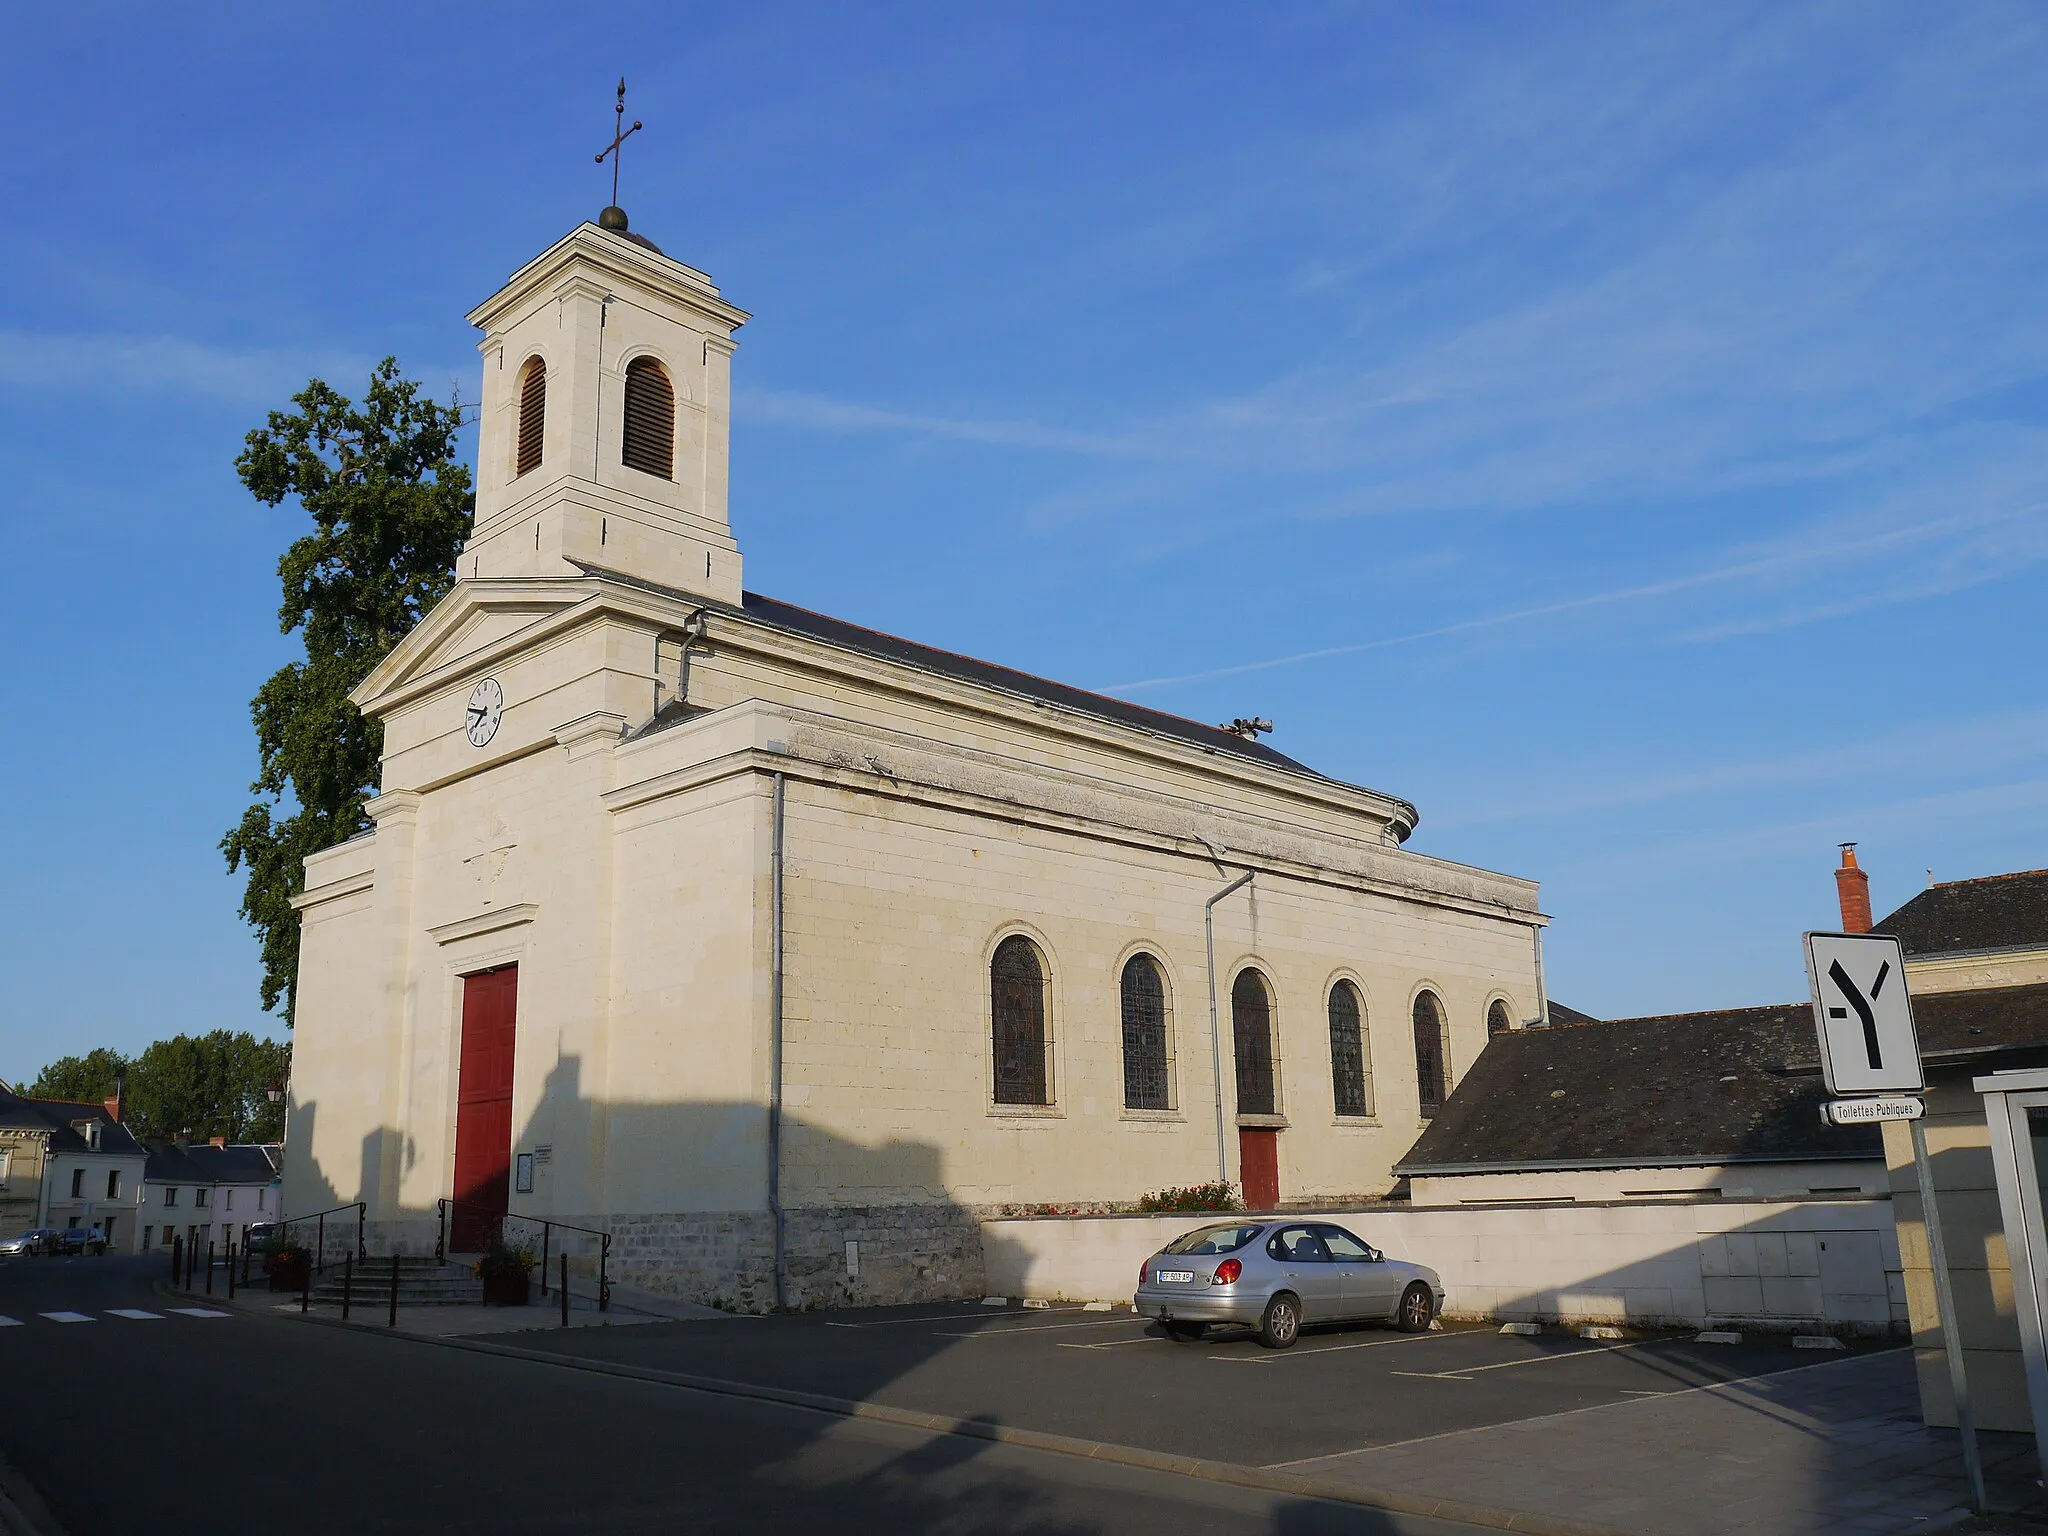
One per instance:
(1017, 995)
(1432, 1070)
(1144, 1002)
(1350, 1062)
(1497, 1020)
(1251, 1026)
(533, 415)
(650, 434)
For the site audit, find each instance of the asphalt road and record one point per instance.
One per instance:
(168, 1420)
(1116, 1378)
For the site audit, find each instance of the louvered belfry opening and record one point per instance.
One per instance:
(533, 412)
(650, 438)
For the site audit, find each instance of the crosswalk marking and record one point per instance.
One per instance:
(10, 1322)
(136, 1313)
(68, 1317)
(200, 1312)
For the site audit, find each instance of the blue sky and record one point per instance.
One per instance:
(1622, 431)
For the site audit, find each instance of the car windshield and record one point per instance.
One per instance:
(1213, 1240)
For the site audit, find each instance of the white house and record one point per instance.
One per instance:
(207, 1192)
(69, 1165)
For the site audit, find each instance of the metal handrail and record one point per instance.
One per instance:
(360, 1207)
(547, 1229)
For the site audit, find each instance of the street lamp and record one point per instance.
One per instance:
(274, 1093)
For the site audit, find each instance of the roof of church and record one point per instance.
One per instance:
(874, 642)
(1560, 1014)
(1685, 1088)
(1996, 912)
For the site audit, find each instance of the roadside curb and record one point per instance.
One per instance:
(1232, 1473)
(22, 1510)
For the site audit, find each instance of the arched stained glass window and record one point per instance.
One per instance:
(1146, 1083)
(1251, 1024)
(1432, 1066)
(1350, 1062)
(1017, 984)
(533, 415)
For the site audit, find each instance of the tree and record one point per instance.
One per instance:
(390, 506)
(86, 1079)
(204, 1085)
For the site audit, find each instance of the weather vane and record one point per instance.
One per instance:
(620, 133)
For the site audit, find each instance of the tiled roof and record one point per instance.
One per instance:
(873, 642)
(1685, 1088)
(204, 1163)
(1996, 912)
(1560, 1014)
(56, 1117)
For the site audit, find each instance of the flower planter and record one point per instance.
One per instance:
(507, 1290)
(289, 1274)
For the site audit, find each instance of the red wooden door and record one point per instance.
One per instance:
(483, 1109)
(1258, 1168)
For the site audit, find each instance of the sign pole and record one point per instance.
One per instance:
(1945, 1309)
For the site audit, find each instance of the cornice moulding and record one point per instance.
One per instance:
(484, 922)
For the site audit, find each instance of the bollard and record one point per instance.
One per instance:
(394, 1288)
(231, 1269)
(209, 1266)
(348, 1271)
(177, 1258)
(305, 1289)
(565, 1290)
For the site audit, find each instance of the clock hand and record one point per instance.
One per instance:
(479, 713)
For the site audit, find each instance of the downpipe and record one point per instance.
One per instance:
(1215, 1028)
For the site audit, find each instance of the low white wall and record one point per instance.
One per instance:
(1656, 1262)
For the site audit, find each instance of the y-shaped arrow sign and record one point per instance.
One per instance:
(1861, 1004)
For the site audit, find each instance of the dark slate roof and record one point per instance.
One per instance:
(56, 1116)
(1685, 1088)
(1996, 912)
(1560, 1014)
(203, 1163)
(874, 642)
(1960, 1027)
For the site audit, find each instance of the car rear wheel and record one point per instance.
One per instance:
(1417, 1310)
(1281, 1324)
(1185, 1333)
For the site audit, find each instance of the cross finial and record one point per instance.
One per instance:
(615, 216)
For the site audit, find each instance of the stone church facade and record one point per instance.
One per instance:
(784, 950)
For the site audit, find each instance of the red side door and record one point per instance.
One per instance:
(483, 1109)
(1258, 1168)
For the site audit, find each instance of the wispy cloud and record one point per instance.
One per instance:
(796, 408)
(44, 361)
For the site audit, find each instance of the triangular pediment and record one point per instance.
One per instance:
(479, 621)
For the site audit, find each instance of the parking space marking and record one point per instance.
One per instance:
(1147, 1338)
(942, 1317)
(1273, 1357)
(1465, 1372)
(994, 1333)
(1566, 1413)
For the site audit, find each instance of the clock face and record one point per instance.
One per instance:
(486, 704)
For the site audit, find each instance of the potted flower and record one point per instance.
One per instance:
(507, 1274)
(288, 1264)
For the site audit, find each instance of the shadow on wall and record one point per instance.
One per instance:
(682, 1189)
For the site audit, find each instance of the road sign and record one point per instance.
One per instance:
(1863, 1015)
(1872, 1111)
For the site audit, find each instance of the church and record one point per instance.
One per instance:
(785, 951)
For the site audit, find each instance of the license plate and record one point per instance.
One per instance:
(1175, 1276)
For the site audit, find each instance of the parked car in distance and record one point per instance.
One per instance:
(81, 1240)
(1275, 1276)
(258, 1233)
(35, 1240)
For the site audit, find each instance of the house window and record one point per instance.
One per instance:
(1497, 1021)
(1432, 1075)
(533, 410)
(1144, 1000)
(1251, 1027)
(200, 1195)
(170, 1198)
(1017, 988)
(6, 1167)
(113, 1183)
(231, 1200)
(78, 1183)
(1350, 1064)
(649, 444)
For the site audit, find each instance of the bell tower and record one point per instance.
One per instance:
(606, 421)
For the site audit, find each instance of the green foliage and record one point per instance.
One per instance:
(83, 1079)
(505, 1262)
(390, 506)
(1218, 1196)
(209, 1085)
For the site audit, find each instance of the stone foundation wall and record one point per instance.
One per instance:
(900, 1253)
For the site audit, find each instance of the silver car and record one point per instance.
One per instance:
(1277, 1275)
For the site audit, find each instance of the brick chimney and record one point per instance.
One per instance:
(1852, 887)
(113, 1105)
(221, 1141)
